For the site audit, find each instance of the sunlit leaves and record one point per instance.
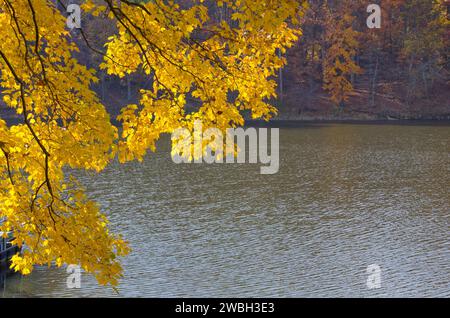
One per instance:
(339, 63)
(199, 69)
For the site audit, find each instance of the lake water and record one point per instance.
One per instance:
(346, 196)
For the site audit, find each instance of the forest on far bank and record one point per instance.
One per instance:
(339, 68)
(400, 70)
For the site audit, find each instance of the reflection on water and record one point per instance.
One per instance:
(346, 196)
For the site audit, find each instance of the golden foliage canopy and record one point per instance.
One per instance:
(65, 126)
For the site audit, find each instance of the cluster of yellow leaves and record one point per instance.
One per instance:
(424, 40)
(188, 56)
(339, 61)
(64, 125)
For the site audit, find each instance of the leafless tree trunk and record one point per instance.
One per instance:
(280, 75)
(128, 88)
(373, 89)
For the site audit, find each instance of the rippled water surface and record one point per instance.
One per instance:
(346, 196)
